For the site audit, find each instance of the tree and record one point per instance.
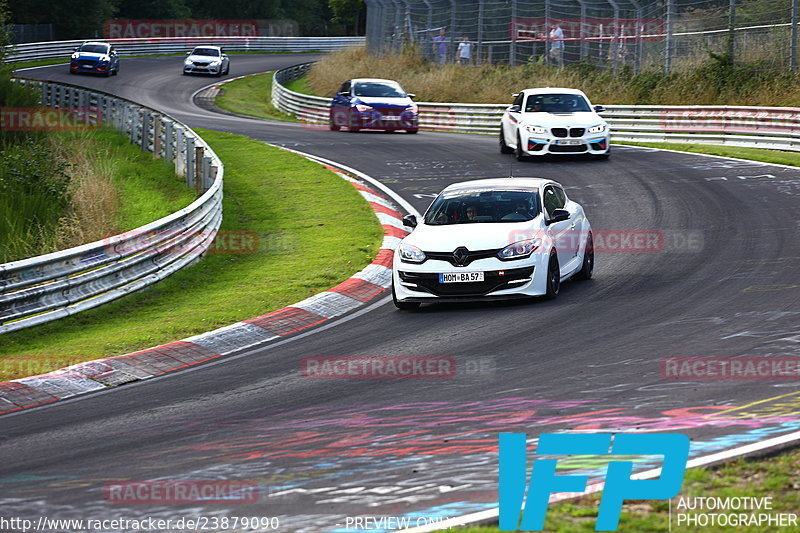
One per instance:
(348, 12)
(70, 21)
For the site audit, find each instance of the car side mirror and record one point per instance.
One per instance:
(559, 215)
(411, 95)
(599, 109)
(514, 95)
(410, 221)
(189, 53)
(75, 49)
(513, 109)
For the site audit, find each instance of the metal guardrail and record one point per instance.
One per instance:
(173, 45)
(44, 288)
(757, 127)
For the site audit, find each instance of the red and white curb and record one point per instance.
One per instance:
(363, 287)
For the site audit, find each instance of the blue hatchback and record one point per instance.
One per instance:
(96, 58)
(369, 103)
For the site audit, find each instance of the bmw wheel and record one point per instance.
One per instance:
(553, 276)
(588, 260)
(518, 150)
(504, 148)
(403, 306)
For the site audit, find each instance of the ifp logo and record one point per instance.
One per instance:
(619, 486)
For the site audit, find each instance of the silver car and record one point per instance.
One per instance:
(207, 60)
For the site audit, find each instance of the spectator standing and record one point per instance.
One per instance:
(557, 45)
(440, 44)
(464, 53)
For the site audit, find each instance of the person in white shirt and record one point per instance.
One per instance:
(557, 45)
(464, 53)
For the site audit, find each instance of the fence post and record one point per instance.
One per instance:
(199, 161)
(156, 137)
(793, 44)
(169, 151)
(189, 161)
(668, 29)
(479, 45)
(206, 173)
(731, 32)
(512, 48)
(146, 119)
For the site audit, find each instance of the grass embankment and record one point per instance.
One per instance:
(773, 477)
(304, 246)
(251, 96)
(90, 184)
(711, 82)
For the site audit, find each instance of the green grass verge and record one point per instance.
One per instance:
(305, 246)
(773, 477)
(148, 188)
(300, 85)
(776, 157)
(251, 96)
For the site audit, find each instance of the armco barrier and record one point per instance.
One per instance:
(52, 286)
(757, 127)
(176, 45)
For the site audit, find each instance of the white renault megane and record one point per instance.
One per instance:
(493, 239)
(553, 121)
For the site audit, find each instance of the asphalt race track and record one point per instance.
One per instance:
(725, 281)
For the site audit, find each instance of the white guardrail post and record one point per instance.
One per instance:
(44, 288)
(775, 128)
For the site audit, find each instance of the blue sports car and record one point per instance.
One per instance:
(369, 103)
(94, 57)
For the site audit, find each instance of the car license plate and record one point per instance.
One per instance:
(461, 277)
(390, 117)
(569, 143)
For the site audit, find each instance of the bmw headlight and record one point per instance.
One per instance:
(411, 254)
(187, 61)
(535, 129)
(600, 128)
(75, 55)
(363, 108)
(519, 250)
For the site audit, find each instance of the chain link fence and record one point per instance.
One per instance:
(667, 34)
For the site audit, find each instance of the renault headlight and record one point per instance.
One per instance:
(518, 250)
(362, 108)
(411, 254)
(600, 128)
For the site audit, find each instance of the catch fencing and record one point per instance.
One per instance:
(666, 34)
(756, 127)
(177, 45)
(44, 288)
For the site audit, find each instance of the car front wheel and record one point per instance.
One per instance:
(504, 148)
(553, 276)
(588, 260)
(518, 150)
